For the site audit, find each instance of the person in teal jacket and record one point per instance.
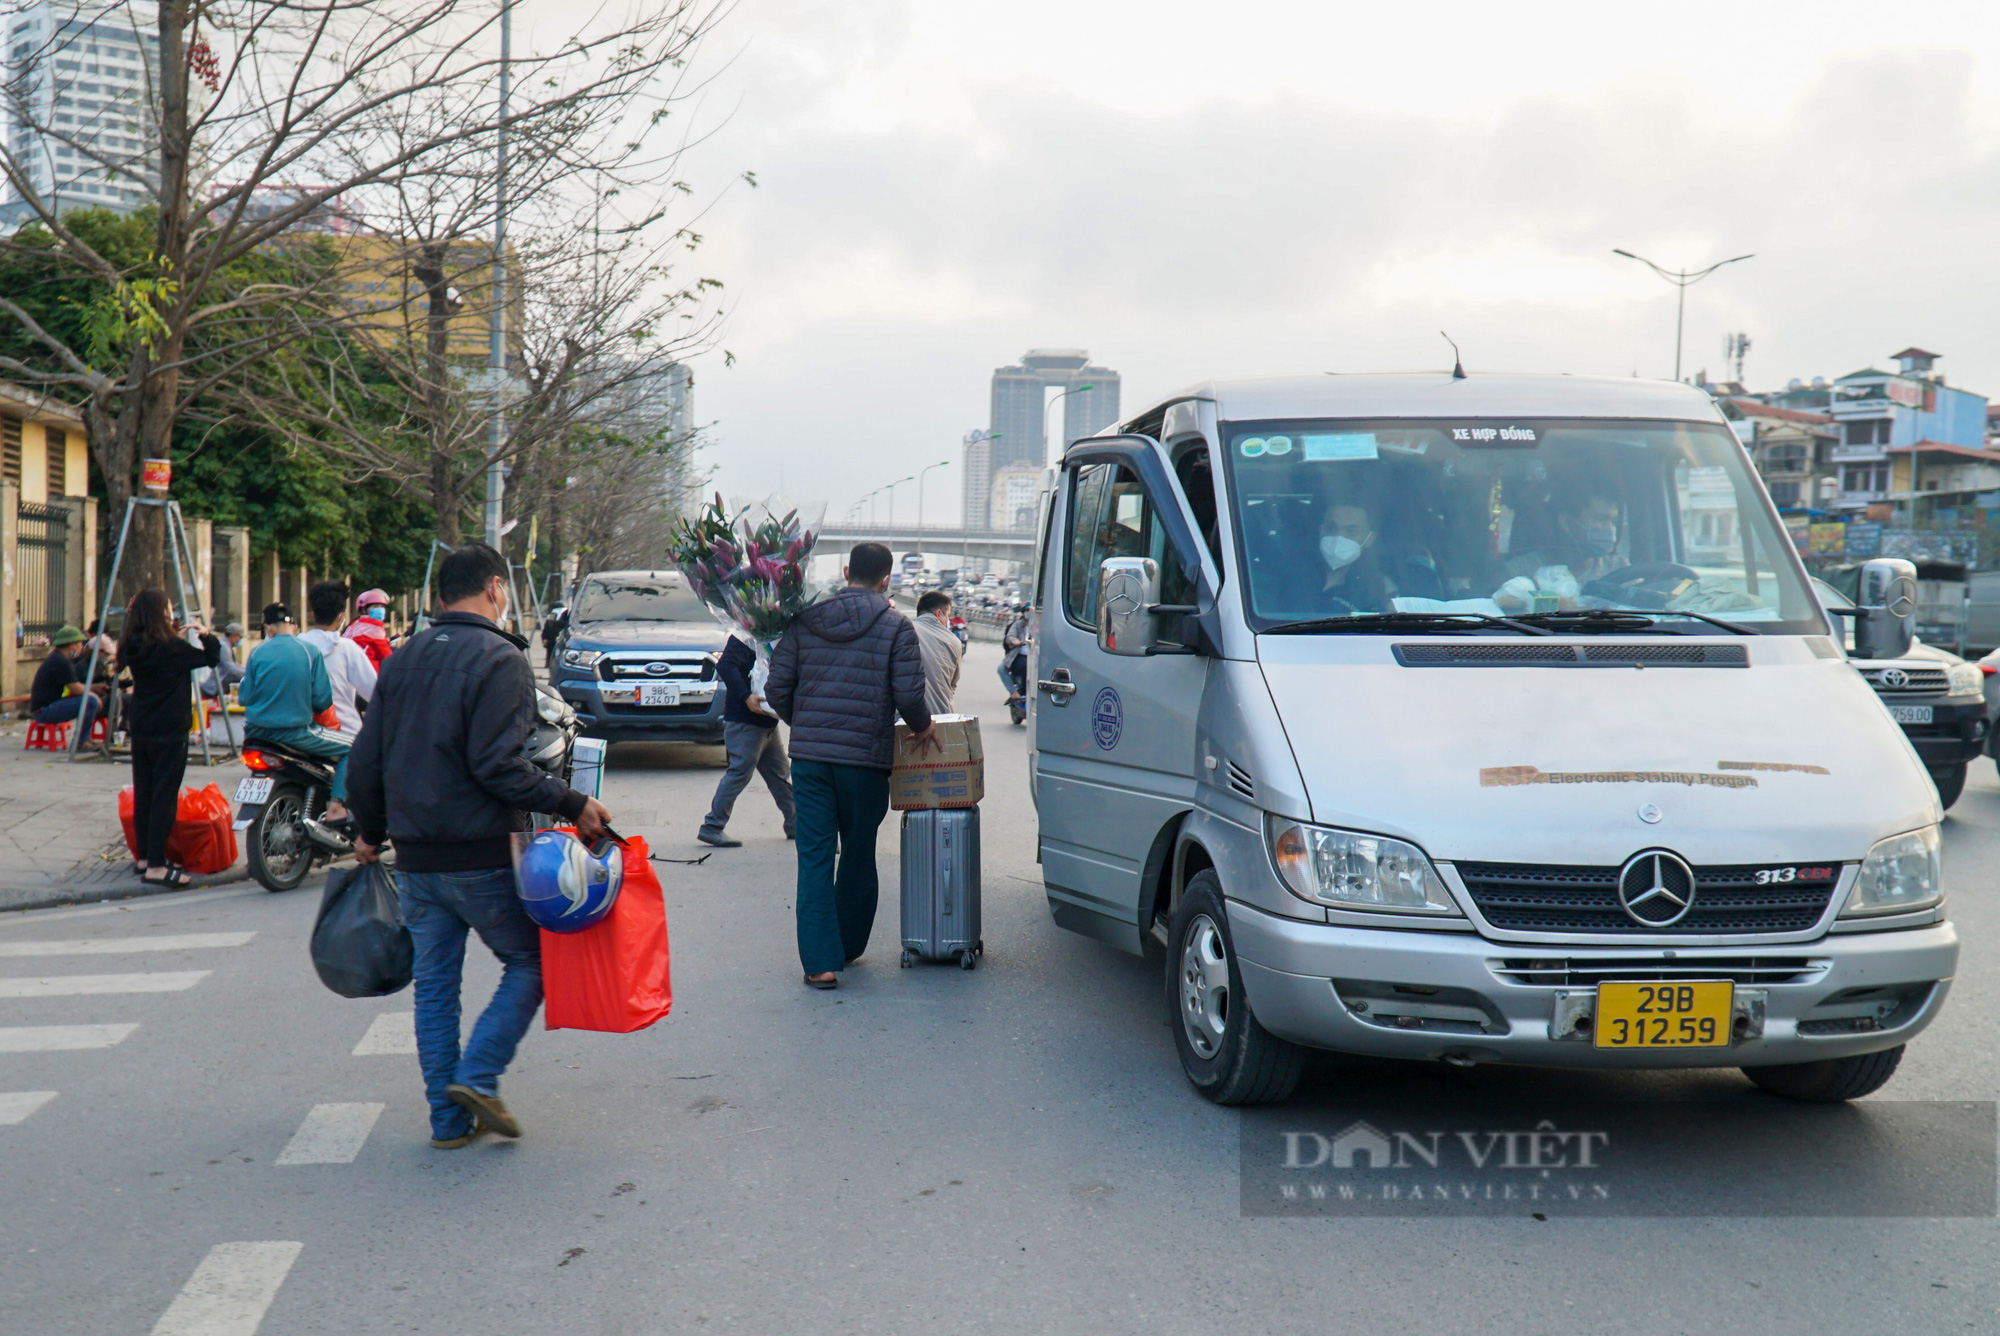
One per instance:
(283, 687)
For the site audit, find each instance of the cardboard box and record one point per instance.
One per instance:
(950, 772)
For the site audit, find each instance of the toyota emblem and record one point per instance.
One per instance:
(1656, 889)
(1895, 679)
(659, 669)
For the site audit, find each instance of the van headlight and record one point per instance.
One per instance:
(1964, 679)
(1900, 873)
(581, 658)
(1349, 869)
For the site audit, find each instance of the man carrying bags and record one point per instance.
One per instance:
(840, 676)
(439, 769)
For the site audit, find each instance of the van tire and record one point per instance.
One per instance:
(1832, 1081)
(1950, 781)
(1246, 1064)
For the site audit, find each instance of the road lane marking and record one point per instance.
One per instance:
(392, 1033)
(331, 1134)
(56, 1038)
(118, 946)
(147, 904)
(86, 985)
(15, 1106)
(230, 1291)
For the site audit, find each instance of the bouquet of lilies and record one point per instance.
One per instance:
(751, 575)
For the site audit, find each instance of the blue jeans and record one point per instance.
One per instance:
(64, 710)
(313, 741)
(439, 907)
(840, 808)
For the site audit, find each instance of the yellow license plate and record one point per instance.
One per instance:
(1686, 1014)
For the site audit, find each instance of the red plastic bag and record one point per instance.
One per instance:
(204, 837)
(612, 976)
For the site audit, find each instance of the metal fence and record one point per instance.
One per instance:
(43, 554)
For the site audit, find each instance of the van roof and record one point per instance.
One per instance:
(1429, 394)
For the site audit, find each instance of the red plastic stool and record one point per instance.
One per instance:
(97, 730)
(48, 737)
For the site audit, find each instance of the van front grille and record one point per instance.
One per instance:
(1589, 971)
(1536, 897)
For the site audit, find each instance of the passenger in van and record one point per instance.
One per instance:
(1583, 547)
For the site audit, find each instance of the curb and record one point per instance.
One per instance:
(96, 886)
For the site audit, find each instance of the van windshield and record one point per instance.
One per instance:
(1509, 518)
(664, 599)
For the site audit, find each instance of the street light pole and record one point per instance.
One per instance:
(1074, 389)
(920, 489)
(1682, 279)
(891, 488)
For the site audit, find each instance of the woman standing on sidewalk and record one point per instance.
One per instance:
(161, 716)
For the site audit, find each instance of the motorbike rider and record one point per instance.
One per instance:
(371, 612)
(284, 687)
(1014, 642)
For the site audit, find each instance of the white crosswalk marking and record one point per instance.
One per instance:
(392, 1032)
(118, 946)
(15, 1106)
(230, 1291)
(331, 1134)
(55, 1038)
(84, 985)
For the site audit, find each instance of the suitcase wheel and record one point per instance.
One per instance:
(980, 947)
(968, 961)
(909, 957)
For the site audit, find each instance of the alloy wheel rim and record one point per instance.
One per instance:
(1204, 979)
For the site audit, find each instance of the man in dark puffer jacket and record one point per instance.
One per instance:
(840, 676)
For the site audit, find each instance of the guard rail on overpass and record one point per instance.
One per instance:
(992, 544)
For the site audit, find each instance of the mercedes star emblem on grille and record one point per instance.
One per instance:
(1656, 888)
(1895, 678)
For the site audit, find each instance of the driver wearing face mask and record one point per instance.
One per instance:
(1586, 537)
(1348, 579)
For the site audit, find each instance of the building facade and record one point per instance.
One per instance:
(1019, 403)
(81, 75)
(1879, 413)
(1016, 490)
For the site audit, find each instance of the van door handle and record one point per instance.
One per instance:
(1057, 687)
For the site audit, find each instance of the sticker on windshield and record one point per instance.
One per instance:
(1340, 445)
(1252, 446)
(1509, 435)
(1278, 445)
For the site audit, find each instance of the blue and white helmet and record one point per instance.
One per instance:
(567, 886)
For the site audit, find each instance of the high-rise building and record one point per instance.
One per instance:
(1016, 488)
(81, 78)
(1019, 399)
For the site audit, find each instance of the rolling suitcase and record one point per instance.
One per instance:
(941, 886)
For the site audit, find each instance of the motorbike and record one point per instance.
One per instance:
(281, 805)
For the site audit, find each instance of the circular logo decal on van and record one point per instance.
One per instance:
(1107, 719)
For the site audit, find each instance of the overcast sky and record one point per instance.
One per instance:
(1190, 190)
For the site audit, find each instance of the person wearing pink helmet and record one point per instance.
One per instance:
(368, 629)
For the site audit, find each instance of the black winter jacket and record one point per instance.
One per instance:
(734, 671)
(840, 676)
(439, 767)
(161, 708)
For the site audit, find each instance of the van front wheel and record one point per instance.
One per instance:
(1227, 1055)
(1831, 1081)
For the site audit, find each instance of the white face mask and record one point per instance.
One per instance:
(1339, 551)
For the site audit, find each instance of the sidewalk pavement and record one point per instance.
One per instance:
(60, 841)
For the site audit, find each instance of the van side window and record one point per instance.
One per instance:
(1198, 482)
(1111, 516)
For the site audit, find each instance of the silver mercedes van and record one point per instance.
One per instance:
(1477, 719)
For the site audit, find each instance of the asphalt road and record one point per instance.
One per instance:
(1011, 1149)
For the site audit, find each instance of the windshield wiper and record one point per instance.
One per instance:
(1415, 622)
(1614, 620)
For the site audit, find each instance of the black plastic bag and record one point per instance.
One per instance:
(359, 944)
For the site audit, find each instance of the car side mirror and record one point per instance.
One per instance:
(1129, 608)
(1885, 609)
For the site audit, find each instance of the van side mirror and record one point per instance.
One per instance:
(1128, 589)
(1885, 609)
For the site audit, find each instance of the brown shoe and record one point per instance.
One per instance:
(488, 1109)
